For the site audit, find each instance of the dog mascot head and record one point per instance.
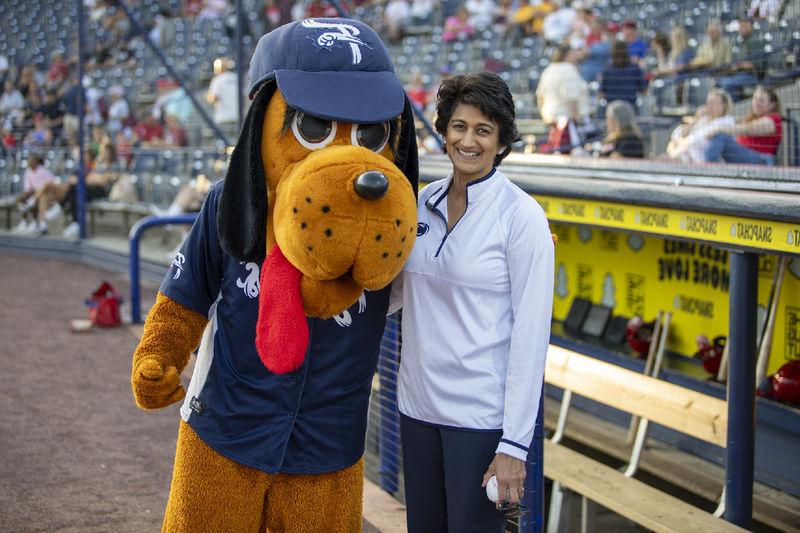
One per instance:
(321, 185)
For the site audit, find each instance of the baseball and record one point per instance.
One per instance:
(491, 489)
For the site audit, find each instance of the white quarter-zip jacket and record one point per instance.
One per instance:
(478, 303)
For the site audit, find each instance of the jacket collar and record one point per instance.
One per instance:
(476, 189)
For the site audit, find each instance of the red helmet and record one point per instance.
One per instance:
(639, 334)
(786, 383)
(710, 353)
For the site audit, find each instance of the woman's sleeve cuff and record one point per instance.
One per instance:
(517, 451)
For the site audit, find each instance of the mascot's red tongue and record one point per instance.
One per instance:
(282, 329)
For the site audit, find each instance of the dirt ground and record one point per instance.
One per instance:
(76, 454)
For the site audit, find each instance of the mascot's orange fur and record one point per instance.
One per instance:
(316, 216)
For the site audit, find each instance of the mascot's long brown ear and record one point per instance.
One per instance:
(242, 211)
(407, 157)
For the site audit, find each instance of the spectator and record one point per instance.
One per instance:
(764, 9)
(189, 199)
(658, 55)
(748, 62)
(149, 131)
(598, 55)
(222, 94)
(622, 80)
(715, 50)
(70, 102)
(171, 100)
(582, 26)
(12, 106)
(520, 22)
(98, 184)
(36, 177)
(318, 9)
(41, 135)
(53, 109)
(458, 26)
(563, 98)
(118, 111)
(689, 141)
(58, 69)
(558, 24)
(174, 133)
(417, 92)
(758, 137)
(540, 11)
(623, 137)
(422, 12)
(212, 9)
(396, 17)
(680, 55)
(637, 48)
(272, 15)
(481, 13)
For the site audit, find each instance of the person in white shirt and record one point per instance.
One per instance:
(561, 91)
(477, 296)
(481, 12)
(118, 111)
(222, 94)
(396, 17)
(688, 142)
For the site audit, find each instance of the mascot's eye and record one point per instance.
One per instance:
(371, 136)
(313, 132)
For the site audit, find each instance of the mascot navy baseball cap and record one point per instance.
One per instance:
(332, 68)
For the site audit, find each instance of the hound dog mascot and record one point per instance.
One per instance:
(287, 265)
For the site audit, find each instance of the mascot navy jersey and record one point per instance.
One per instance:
(308, 421)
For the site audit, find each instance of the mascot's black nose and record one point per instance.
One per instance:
(371, 185)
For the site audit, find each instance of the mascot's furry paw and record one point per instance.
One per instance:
(156, 386)
(171, 334)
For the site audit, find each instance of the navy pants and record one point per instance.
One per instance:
(443, 470)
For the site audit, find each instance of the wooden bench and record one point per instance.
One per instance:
(129, 211)
(653, 400)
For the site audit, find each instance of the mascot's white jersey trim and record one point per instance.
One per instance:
(205, 357)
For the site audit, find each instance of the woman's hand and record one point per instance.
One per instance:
(510, 474)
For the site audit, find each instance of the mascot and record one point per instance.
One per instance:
(283, 285)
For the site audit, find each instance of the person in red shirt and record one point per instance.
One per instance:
(757, 137)
(149, 131)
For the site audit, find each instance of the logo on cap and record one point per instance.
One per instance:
(344, 32)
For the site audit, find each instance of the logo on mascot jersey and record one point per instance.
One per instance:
(422, 229)
(344, 319)
(251, 284)
(178, 264)
(345, 33)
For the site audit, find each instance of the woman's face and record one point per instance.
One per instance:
(715, 106)
(473, 141)
(761, 104)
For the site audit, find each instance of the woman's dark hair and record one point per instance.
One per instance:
(489, 93)
(620, 57)
(662, 41)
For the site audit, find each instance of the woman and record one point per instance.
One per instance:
(477, 292)
(98, 184)
(37, 176)
(757, 138)
(679, 53)
(622, 80)
(623, 137)
(689, 141)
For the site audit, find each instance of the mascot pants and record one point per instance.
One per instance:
(215, 494)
